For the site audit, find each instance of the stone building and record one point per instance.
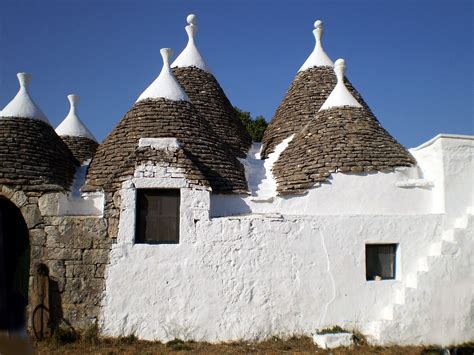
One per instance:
(177, 226)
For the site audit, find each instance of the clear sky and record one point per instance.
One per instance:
(412, 60)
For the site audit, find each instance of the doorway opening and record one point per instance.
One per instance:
(14, 268)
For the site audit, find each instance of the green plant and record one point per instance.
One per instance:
(63, 336)
(333, 330)
(275, 338)
(128, 339)
(358, 338)
(255, 126)
(91, 335)
(178, 344)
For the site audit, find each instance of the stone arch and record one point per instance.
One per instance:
(30, 211)
(14, 267)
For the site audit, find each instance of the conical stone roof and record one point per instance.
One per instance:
(32, 155)
(202, 157)
(343, 137)
(308, 91)
(208, 97)
(81, 147)
(75, 134)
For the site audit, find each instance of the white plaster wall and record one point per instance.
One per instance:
(87, 204)
(245, 278)
(448, 160)
(251, 277)
(346, 194)
(294, 267)
(443, 182)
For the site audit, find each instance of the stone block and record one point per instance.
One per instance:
(83, 271)
(96, 256)
(19, 198)
(8, 192)
(36, 253)
(64, 254)
(32, 215)
(333, 340)
(48, 204)
(37, 237)
(56, 268)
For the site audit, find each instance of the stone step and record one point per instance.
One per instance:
(412, 280)
(449, 248)
(423, 264)
(399, 297)
(448, 235)
(372, 331)
(461, 222)
(435, 249)
(387, 312)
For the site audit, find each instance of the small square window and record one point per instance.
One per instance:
(380, 261)
(157, 216)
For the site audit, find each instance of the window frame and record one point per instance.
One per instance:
(395, 260)
(138, 196)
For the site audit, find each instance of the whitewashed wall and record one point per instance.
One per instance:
(258, 275)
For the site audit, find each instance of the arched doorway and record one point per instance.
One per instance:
(14, 268)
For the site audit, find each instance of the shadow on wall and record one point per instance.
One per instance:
(46, 305)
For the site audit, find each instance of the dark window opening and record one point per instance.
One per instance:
(157, 220)
(380, 261)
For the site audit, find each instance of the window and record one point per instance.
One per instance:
(157, 218)
(380, 261)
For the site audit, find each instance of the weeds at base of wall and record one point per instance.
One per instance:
(179, 345)
(89, 341)
(333, 330)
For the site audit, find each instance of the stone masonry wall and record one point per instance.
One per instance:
(75, 250)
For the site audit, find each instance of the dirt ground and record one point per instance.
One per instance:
(130, 345)
(302, 345)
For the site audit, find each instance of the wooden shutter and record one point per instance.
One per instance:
(157, 216)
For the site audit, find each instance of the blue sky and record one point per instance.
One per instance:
(412, 60)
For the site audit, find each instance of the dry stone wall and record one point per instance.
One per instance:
(75, 251)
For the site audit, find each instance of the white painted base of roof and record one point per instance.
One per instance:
(260, 179)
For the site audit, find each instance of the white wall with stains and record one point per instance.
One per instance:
(262, 274)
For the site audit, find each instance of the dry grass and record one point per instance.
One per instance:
(300, 345)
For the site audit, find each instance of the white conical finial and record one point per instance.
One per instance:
(22, 105)
(190, 56)
(340, 69)
(340, 95)
(165, 85)
(191, 19)
(166, 54)
(318, 30)
(317, 58)
(24, 79)
(73, 100)
(72, 125)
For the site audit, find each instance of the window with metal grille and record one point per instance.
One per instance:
(157, 216)
(380, 261)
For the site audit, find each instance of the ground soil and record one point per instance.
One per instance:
(302, 345)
